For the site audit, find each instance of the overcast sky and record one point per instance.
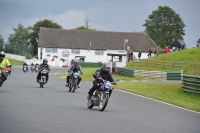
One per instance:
(107, 15)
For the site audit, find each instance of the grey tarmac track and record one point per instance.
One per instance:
(26, 108)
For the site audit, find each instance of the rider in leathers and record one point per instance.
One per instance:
(4, 63)
(105, 74)
(43, 66)
(72, 69)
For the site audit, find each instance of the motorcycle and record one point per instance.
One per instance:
(1, 74)
(25, 68)
(36, 68)
(32, 68)
(73, 82)
(100, 96)
(42, 81)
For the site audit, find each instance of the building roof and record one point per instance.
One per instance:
(94, 40)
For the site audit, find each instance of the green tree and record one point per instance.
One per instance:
(19, 39)
(1, 43)
(34, 35)
(165, 27)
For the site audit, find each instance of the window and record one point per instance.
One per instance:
(54, 50)
(51, 50)
(48, 50)
(75, 51)
(98, 52)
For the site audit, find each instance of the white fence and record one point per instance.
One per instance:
(22, 58)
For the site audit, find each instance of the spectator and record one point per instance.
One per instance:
(166, 50)
(155, 52)
(174, 49)
(149, 54)
(139, 55)
(198, 41)
(129, 55)
(134, 58)
(183, 45)
(197, 45)
(179, 46)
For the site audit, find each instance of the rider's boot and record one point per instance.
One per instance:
(78, 86)
(89, 97)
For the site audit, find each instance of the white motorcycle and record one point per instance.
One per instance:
(25, 68)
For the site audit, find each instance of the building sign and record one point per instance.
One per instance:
(65, 53)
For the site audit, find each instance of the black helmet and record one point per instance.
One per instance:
(106, 67)
(45, 61)
(2, 55)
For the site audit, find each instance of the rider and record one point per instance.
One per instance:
(37, 65)
(25, 64)
(43, 66)
(32, 65)
(72, 69)
(4, 63)
(103, 73)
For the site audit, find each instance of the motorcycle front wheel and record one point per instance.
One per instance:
(103, 103)
(70, 86)
(74, 84)
(89, 104)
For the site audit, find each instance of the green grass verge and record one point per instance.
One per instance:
(169, 93)
(15, 62)
(88, 75)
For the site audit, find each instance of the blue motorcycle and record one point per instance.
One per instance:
(100, 96)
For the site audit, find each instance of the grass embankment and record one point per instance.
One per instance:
(189, 56)
(169, 93)
(15, 62)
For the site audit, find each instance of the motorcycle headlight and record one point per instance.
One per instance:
(75, 75)
(108, 85)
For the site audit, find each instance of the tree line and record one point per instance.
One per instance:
(164, 26)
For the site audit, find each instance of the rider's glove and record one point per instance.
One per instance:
(115, 83)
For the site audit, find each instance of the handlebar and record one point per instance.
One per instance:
(108, 81)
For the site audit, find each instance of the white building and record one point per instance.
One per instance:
(60, 46)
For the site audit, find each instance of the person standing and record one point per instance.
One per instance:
(155, 52)
(139, 55)
(129, 55)
(149, 54)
